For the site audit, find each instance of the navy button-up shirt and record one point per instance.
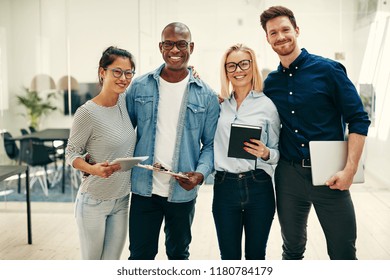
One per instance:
(315, 99)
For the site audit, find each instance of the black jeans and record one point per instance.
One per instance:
(295, 195)
(243, 201)
(146, 216)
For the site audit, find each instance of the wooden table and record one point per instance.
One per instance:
(10, 170)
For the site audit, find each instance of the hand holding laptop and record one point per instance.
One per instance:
(342, 180)
(328, 160)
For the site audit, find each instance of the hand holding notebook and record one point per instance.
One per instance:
(240, 133)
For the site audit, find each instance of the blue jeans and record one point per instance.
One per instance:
(295, 195)
(243, 201)
(146, 217)
(102, 226)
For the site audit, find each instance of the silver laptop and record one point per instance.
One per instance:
(329, 157)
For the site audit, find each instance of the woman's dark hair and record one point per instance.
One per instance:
(109, 56)
(276, 11)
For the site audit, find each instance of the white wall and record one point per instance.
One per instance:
(68, 36)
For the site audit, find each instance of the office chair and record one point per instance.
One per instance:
(24, 131)
(54, 149)
(35, 154)
(51, 149)
(12, 151)
(10, 146)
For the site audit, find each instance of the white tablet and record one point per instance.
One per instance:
(128, 163)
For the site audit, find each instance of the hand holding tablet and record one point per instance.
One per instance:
(128, 163)
(159, 168)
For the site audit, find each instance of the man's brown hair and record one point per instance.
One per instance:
(276, 11)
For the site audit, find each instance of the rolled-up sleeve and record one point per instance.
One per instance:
(349, 101)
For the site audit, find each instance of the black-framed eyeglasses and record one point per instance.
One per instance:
(181, 45)
(243, 64)
(117, 72)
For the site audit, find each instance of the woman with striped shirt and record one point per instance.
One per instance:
(102, 129)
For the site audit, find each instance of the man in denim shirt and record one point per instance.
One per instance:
(315, 100)
(175, 117)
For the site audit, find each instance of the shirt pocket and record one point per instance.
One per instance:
(144, 108)
(195, 116)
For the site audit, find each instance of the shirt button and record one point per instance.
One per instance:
(292, 112)
(296, 130)
(290, 92)
(290, 74)
(296, 67)
(303, 145)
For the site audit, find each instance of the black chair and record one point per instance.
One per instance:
(24, 131)
(52, 149)
(12, 151)
(10, 146)
(35, 154)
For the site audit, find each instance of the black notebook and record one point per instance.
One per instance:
(239, 134)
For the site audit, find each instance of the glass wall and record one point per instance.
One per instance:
(61, 41)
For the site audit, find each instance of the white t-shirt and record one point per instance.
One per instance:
(171, 96)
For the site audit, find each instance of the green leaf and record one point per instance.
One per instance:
(35, 106)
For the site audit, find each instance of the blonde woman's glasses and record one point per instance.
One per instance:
(243, 64)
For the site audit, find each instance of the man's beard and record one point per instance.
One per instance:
(286, 49)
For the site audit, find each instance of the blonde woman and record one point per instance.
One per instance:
(243, 190)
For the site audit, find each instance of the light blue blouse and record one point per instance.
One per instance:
(256, 109)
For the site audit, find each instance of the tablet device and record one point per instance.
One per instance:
(329, 157)
(128, 163)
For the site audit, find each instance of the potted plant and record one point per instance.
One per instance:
(35, 106)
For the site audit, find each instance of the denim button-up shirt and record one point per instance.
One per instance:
(194, 138)
(315, 100)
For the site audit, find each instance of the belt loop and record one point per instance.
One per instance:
(253, 174)
(223, 175)
(306, 163)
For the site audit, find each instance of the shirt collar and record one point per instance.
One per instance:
(252, 94)
(297, 62)
(156, 75)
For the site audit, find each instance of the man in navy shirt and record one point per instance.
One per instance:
(315, 100)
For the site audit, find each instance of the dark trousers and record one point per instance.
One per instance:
(246, 202)
(295, 195)
(146, 217)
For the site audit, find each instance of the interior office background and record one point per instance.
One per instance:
(66, 38)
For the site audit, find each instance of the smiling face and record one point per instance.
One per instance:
(176, 59)
(111, 83)
(282, 36)
(240, 78)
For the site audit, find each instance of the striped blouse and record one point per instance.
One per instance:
(105, 133)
